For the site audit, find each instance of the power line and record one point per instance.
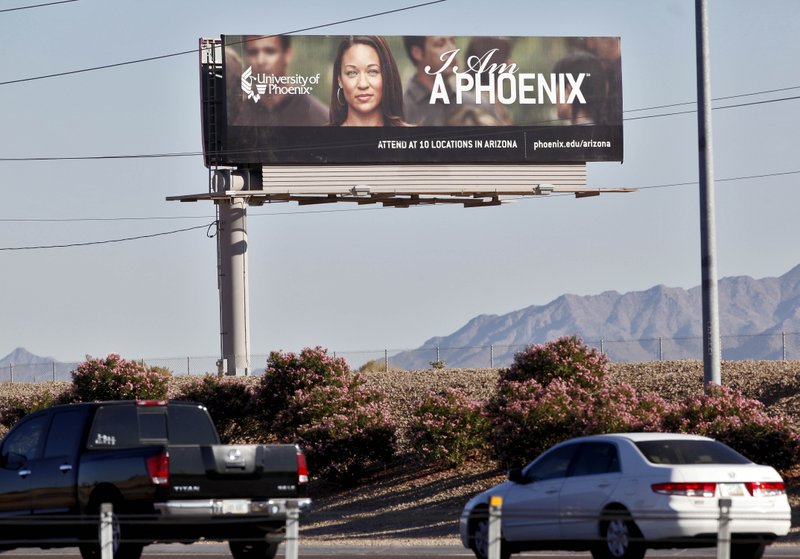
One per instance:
(108, 241)
(199, 153)
(737, 105)
(360, 209)
(36, 6)
(209, 226)
(195, 51)
(724, 98)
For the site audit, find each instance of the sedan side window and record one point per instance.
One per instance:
(26, 439)
(552, 465)
(596, 458)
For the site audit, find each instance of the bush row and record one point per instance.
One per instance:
(550, 393)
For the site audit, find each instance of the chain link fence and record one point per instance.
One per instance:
(771, 347)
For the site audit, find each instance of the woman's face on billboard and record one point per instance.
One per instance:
(361, 79)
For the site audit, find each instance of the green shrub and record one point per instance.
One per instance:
(566, 358)
(529, 418)
(230, 402)
(448, 428)
(115, 378)
(375, 366)
(289, 373)
(742, 423)
(15, 407)
(316, 401)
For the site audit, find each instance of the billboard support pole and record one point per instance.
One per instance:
(711, 341)
(233, 275)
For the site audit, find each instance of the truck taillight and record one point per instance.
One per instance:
(158, 468)
(302, 468)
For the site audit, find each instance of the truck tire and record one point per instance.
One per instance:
(120, 549)
(253, 549)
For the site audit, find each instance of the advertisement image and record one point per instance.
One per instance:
(369, 99)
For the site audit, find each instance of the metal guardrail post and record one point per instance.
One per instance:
(495, 532)
(106, 531)
(724, 531)
(292, 530)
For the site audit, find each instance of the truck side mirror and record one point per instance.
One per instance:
(13, 460)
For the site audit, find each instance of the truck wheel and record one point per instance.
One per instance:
(120, 549)
(253, 549)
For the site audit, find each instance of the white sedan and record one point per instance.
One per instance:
(619, 494)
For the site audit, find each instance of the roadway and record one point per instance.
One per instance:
(321, 551)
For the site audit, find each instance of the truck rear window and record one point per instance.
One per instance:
(125, 426)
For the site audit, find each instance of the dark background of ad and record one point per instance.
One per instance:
(537, 140)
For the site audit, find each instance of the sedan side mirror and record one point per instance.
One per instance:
(515, 475)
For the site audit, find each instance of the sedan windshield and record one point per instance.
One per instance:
(689, 452)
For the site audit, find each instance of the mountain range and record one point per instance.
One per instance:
(759, 319)
(23, 366)
(659, 323)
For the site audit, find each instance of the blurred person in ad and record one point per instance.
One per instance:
(594, 90)
(430, 52)
(498, 50)
(366, 84)
(267, 58)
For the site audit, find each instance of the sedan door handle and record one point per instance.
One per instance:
(551, 491)
(24, 473)
(65, 467)
(603, 485)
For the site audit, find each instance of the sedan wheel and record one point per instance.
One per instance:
(480, 540)
(253, 549)
(620, 540)
(749, 550)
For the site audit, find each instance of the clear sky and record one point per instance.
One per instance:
(361, 278)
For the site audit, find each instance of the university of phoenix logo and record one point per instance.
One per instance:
(247, 85)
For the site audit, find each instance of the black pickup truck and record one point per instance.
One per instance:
(161, 467)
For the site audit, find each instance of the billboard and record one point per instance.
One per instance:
(306, 99)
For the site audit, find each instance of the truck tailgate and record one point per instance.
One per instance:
(233, 471)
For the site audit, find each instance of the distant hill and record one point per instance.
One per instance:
(753, 314)
(23, 366)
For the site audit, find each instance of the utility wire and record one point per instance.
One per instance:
(199, 153)
(36, 6)
(360, 209)
(108, 241)
(209, 227)
(724, 98)
(195, 51)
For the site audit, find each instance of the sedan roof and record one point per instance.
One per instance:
(638, 437)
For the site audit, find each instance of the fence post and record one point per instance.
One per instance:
(495, 533)
(437, 355)
(660, 348)
(602, 350)
(386, 360)
(724, 531)
(11, 372)
(491, 356)
(106, 531)
(292, 530)
(783, 344)
(188, 366)
(54, 371)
